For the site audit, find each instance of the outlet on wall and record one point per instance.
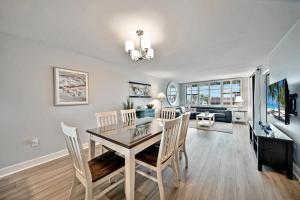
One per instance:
(35, 142)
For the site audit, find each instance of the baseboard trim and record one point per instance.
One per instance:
(47, 158)
(296, 171)
(34, 162)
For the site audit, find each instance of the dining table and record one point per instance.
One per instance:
(127, 139)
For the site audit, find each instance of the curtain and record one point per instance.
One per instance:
(250, 99)
(257, 95)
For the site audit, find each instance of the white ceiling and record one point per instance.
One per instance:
(193, 39)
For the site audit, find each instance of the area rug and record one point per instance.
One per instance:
(217, 126)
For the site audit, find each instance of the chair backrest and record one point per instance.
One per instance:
(168, 113)
(128, 115)
(184, 128)
(169, 138)
(106, 118)
(75, 150)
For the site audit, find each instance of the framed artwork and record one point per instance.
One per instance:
(70, 87)
(139, 90)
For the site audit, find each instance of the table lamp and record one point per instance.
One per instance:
(161, 96)
(239, 101)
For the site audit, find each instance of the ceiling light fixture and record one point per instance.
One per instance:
(144, 52)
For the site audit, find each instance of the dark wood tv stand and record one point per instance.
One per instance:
(275, 150)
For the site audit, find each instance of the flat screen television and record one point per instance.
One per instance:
(278, 100)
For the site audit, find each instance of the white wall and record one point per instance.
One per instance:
(284, 62)
(26, 101)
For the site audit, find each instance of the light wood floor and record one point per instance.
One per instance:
(222, 166)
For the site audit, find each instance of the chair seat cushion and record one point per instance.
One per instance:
(149, 155)
(105, 164)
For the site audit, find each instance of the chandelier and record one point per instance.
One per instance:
(144, 52)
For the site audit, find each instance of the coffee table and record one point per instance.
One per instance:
(204, 119)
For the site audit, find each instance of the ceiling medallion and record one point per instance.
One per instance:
(144, 52)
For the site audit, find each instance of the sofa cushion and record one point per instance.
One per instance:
(182, 108)
(220, 115)
(209, 108)
(202, 110)
(216, 111)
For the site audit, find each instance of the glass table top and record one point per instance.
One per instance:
(130, 134)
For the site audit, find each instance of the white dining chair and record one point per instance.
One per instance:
(94, 172)
(106, 118)
(168, 113)
(181, 141)
(128, 115)
(106, 121)
(158, 158)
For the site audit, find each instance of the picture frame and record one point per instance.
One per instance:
(139, 90)
(71, 87)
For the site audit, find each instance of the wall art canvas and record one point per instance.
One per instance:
(70, 87)
(139, 89)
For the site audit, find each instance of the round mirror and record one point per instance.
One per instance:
(172, 92)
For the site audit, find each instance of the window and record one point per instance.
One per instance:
(215, 93)
(204, 94)
(195, 93)
(192, 92)
(188, 90)
(226, 98)
(236, 89)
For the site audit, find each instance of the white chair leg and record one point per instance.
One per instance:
(160, 185)
(89, 192)
(175, 167)
(73, 188)
(180, 155)
(186, 158)
(102, 150)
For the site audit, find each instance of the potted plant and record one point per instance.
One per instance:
(128, 105)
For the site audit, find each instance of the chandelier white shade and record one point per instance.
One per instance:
(146, 44)
(129, 46)
(150, 53)
(144, 51)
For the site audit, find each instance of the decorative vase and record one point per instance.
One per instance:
(150, 106)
